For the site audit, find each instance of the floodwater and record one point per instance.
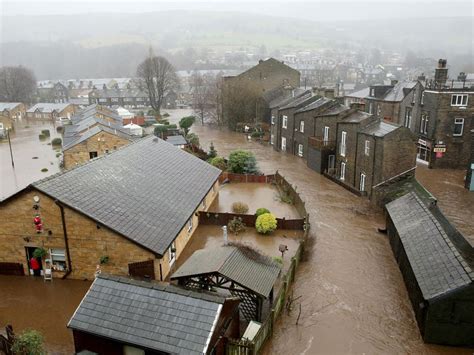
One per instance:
(30, 302)
(456, 202)
(353, 298)
(30, 156)
(255, 195)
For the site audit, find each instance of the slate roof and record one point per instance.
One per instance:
(145, 191)
(176, 140)
(299, 102)
(399, 91)
(357, 117)
(118, 93)
(285, 99)
(71, 141)
(380, 129)
(437, 265)
(8, 105)
(149, 315)
(314, 105)
(361, 94)
(335, 110)
(257, 275)
(48, 107)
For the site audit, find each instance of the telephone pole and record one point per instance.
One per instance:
(10, 144)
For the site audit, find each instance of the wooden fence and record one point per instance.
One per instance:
(223, 218)
(245, 347)
(231, 177)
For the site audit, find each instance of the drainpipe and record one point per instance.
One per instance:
(373, 166)
(356, 160)
(66, 242)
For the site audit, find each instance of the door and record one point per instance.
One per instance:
(283, 144)
(362, 182)
(29, 255)
(331, 161)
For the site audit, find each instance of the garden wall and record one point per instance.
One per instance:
(223, 218)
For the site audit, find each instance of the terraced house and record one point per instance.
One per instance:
(50, 111)
(13, 110)
(132, 212)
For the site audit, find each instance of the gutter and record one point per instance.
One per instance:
(66, 241)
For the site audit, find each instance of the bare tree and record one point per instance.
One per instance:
(159, 79)
(17, 84)
(203, 88)
(239, 102)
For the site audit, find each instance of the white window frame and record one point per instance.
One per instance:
(371, 107)
(424, 123)
(54, 253)
(459, 100)
(301, 126)
(457, 121)
(284, 122)
(300, 150)
(190, 224)
(326, 134)
(362, 182)
(283, 144)
(408, 113)
(172, 255)
(342, 148)
(367, 147)
(273, 119)
(422, 97)
(343, 171)
(372, 92)
(272, 139)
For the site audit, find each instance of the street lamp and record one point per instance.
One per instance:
(10, 145)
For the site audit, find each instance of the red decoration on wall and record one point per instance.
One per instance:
(38, 224)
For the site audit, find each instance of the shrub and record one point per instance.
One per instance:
(166, 114)
(236, 225)
(30, 342)
(261, 211)
(212, 151)
(163, 128)
(186, 123)
(40, 253)
(56, 141)
(193, 139)
(104, 259)
(278, 260)
(60, 129)
(240, 207)
(242, 162)
(41, 136)
(44, 170)
(257, 134)
(219, 163)
(46, 132)
(58, 155)
(266, 223)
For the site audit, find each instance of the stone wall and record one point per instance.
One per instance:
(79, 153)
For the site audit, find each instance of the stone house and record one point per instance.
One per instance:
(371, 152)
(357, 97)
(286, 123)
(53, 93)
(132, 211)
(128, 97)
(436, 264)
(13, 110)
(469, 183)
(445, 120)
(50, 111)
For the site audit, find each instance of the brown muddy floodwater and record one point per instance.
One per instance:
(29, 154)
(352, 293)
(29, 302)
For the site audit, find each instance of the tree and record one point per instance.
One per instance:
(242, 162)
(30, 342)
(219, 163)
(185, 123)
(17, 84)
(212, 151)
(203, 91)
(193, 139)
(266, 223)
(239, 101)
(159, 79)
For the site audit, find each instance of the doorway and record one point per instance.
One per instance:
(29, 255)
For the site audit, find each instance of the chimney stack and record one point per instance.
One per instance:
(441, 73)
(462, 76)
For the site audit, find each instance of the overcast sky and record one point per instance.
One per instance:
(320, 10)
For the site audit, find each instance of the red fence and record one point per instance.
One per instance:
(222, 218)
(246, 178)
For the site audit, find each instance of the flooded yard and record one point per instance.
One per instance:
(255, 195)
(30, 155)
(29, 302)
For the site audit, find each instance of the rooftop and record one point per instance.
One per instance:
(248, 269)
(357, 116)
(145, 191)
(48, 107)
(298, 102)
(285, 99)
(176, 140)
(380, 128)
(8, 105)
(361, 94)
(315, 104)
(150, 315)
(437, 265)
(73, 140)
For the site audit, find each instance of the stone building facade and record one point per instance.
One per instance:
(51, 111)
(13, 110)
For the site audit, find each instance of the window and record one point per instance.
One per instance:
(424, 123)
(343, 171)
(459, 100)
(92, 155)
(422, 97)
(102, 100)
(272, 139)
(273, 119)
(106, 151)
(326, 135)
(284, 122)
(300, 150)
(115, 99)
(302, 126)
(458, 126)
(407, 117)
(367, 147)
(58, 259)
(190, 224)
(372, 92)
(283, 144)
(371, 107)
(342, 150)
(362, 182)
(172, 253)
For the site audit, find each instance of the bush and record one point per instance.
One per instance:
(236, 225)
(44, 170)
(166, 114)
(41, 136)
(56, 141)
(186, 123)
(60, 129)
(261, 211)
(193, 139)
(30, 342)
(46, 132)
(212, 151)
(58, 155)
(40, 253)
(240, 207)
(219, 163)
(257, 134)
(242, 162)
(266, 223)
(159, 130)
(278, 260)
